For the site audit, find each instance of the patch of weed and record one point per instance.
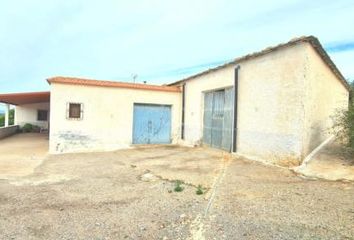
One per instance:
(200, 190)
(178, 187)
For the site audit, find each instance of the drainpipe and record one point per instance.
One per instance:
(7, 113)
(183, 110)
(234, 142)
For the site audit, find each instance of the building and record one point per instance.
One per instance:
(89, 115)
(274, 105)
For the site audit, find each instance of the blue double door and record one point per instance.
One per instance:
(152, 124)
(218, 119)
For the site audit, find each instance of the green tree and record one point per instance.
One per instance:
(11, 118)
(351, 96)
(2, 120)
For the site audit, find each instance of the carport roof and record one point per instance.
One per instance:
(25, 98)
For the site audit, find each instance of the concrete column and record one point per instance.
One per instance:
(15, 117)
(7, 114)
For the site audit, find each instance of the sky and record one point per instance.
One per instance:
(159, 41)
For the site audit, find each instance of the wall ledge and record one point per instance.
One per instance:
(8, 131)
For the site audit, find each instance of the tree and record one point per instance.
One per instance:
(344, 122)
(11, 118)
(2, 120)
(351, 94)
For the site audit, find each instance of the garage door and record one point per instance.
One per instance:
(217, 122)
(152, 124)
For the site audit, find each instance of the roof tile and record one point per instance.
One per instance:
(99, 83)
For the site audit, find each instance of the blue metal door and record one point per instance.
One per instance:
(152, 124)
(218, 109)
(217, 118)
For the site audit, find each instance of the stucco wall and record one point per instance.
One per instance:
(270, 106)
(270, 110)
(325, 94)
(28, 114)
(107, 122)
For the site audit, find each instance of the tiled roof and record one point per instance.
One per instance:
(315, 43)
(99, 83)
(25, 98)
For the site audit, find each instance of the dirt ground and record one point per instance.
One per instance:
(128, 194)
(333, 162)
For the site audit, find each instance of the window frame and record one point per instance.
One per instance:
(68, 111)
(38, 115)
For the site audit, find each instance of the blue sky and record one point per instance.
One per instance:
(160, 41)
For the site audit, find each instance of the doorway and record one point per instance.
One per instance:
(217, 121)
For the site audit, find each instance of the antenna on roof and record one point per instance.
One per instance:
(134, 76)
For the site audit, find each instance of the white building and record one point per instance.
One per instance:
(275, 105)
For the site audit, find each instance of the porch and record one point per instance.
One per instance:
(23, 108)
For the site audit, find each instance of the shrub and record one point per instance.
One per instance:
(178, 187)
(344, 123)
(30, 128)
(27, 128)
(36, 129)
(200, 190)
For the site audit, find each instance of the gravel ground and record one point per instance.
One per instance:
(129, 195)
(263, 202)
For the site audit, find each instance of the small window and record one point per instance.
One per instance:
(75, 111)
(42, 115)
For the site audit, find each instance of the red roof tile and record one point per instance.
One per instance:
(99, 83)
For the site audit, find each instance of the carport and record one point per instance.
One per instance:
(30, 107)
(21, 153)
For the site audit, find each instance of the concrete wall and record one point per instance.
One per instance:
(8, 131)
(270, 115)
(270, 106)
(28, 114)
(324, 95)
(285, 103)
(107, 122)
